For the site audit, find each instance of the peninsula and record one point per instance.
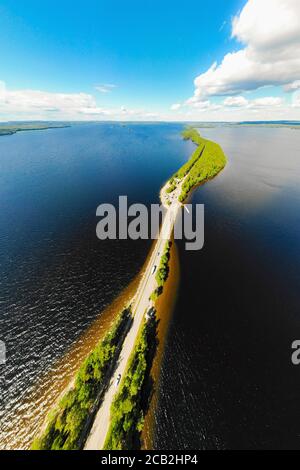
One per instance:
(105, 407)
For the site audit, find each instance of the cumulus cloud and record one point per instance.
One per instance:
(36, 104)
(270, 33)
(201, 106)
(241, 102)
(292, 86)
(235, 101)
(267, 101)
(266, 25)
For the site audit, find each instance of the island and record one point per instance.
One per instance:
(105, 406)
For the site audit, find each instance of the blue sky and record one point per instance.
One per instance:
(138, 60)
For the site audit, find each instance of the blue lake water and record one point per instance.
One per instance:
(227, 378)
(56, 276)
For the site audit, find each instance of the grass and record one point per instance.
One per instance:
(67, 422)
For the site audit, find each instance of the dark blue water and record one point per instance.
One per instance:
(228, 381)
(56, 276)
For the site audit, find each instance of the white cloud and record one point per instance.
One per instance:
(138, 114)
(105, 88)
(296, 100)
(175, 106)
(235, 101)
(36, 102)
(195, 103)
(268, 24)
(270, 31)
(44, 105)
(292, 86)
(96, 111)
(266, 101)
(239, 108)
(242, 102)
(202, 105)
(2, 89)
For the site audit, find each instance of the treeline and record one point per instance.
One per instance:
(183, 171)
(206, 162)
(127, 412)
(171, 188)
(190, 133)
(212, 160)
(68, 421)
(163, 271)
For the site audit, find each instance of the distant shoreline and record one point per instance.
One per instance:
(12, 127)
(11, 130)
(266, 125)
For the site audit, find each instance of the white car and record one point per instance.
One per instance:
(153, 270)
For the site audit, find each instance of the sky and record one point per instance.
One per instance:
(217, 60)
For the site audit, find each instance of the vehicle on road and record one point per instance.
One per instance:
(153, 270)
(150, 314)
(117, 383)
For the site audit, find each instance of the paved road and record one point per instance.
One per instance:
(141, 304)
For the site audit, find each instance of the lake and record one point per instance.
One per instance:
(228, 381)
(227, 378)
(56, 276)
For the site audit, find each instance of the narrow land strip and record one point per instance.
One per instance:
(114, 354)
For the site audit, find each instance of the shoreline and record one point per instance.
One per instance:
(59, 378)
(165, 306)
(11, 130)
(204, 164)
